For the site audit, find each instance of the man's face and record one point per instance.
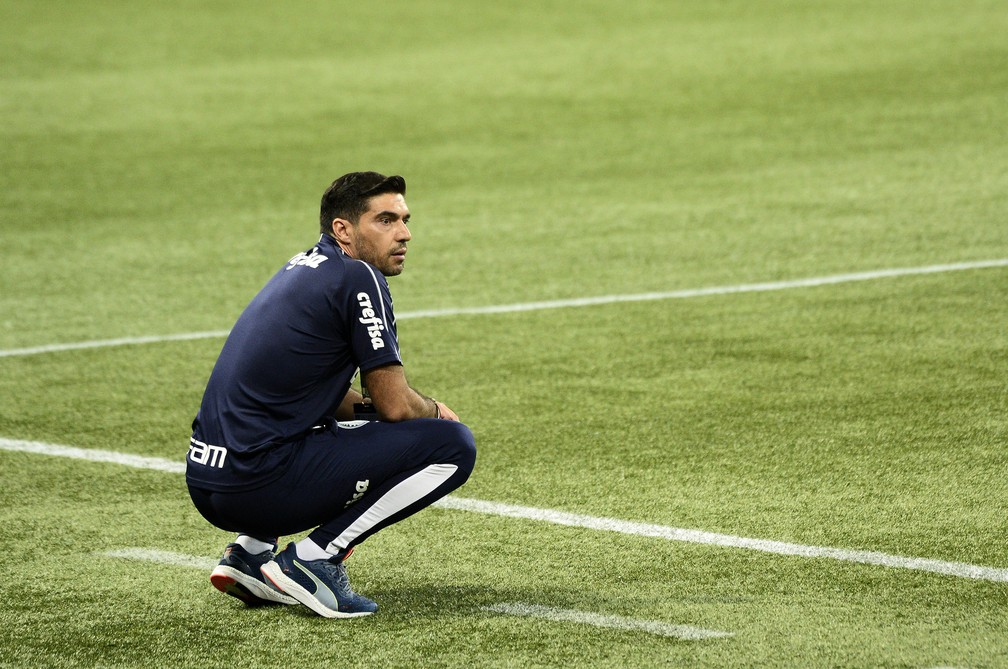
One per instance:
(381, 234)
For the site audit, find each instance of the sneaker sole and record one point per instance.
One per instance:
(272, 571)
(232, 582)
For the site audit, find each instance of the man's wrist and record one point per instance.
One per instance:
(437, 408)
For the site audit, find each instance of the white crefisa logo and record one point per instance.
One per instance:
(371, 320)
(206, 454)
(313, 259)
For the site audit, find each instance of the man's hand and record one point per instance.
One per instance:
(446, 413)
(346, 410)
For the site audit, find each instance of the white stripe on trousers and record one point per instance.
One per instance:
(403, 494)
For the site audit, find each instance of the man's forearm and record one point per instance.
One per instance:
(395, 399)
(413, 404)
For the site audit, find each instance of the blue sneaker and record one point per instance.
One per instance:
(321, 585)
(239, 574)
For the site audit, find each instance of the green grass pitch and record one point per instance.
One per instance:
(161, 160)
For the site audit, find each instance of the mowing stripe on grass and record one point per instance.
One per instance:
(687, 632)
(553, 304)
(960, 569)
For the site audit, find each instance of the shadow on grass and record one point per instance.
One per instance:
(439, 601)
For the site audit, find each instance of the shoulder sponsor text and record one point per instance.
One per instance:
(313, 259)
(371, 320)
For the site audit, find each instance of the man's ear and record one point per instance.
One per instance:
(341, 230)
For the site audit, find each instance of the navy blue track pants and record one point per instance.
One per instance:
(350, 481)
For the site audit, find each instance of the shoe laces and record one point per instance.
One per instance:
(337, 574)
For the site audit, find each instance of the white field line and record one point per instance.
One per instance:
(687, 632)
(959, 569)
(162, 557)
(107, 343)
(555, 304)
(94, 455)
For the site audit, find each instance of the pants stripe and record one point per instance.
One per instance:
(405, 493)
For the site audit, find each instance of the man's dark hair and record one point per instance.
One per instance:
(348, 196)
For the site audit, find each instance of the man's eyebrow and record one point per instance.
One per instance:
(393, 214)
